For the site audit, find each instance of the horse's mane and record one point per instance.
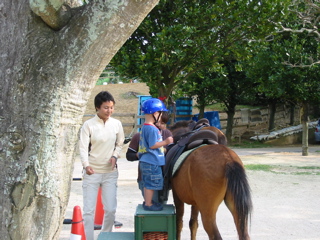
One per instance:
(183, 124)
(180, 128)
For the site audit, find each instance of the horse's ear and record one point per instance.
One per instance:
(180, 124)
(222, 139)
(177, 133)
(191, 124)
(202, 122)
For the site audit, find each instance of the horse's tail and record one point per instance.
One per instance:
(239, 190)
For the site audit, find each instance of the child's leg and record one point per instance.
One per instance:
(148, 194)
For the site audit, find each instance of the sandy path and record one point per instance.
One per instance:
(286, 204)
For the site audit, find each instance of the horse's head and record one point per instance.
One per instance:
(183, 124)
(180, 128)
(222, 139)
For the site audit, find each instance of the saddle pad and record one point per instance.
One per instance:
(182, 157)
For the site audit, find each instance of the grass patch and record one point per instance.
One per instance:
(221, 107)
(313, 170)
(259, 167)
(306, 173)
(305, 170)
(250, 144)
(309, 167)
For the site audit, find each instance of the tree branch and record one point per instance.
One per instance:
(300, 65)
(309, 20)
(55, 13)
(309, 31)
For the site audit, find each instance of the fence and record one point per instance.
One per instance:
(254, 120)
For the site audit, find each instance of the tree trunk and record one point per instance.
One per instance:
(201, 113)
(305, 130)
(46, 77)
(230, 112)
(272, 110)
(292, 108)
(201, 110)
(316, 111)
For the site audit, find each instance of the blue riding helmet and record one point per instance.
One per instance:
(153, 105)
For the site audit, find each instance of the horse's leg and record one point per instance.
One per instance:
(179, 214)
(243, 234)
(210, 224)
(193, 223)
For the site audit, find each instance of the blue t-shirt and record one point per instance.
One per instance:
(149, 136)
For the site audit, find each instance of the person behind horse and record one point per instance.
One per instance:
(132, 152)
(151, 152)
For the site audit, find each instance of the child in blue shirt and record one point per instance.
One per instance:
(151, 152)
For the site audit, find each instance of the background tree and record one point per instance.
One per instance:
(198, 87)
(179, 38)
(226, 84)
(265, 67)
(278, 67)
(51, 58)
(305, 22)
(303, 19)
(232, 87)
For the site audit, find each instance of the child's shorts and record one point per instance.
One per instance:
(151, 176)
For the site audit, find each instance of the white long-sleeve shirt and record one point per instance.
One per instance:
(106, 140)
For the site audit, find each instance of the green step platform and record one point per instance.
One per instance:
(116, 236)
(148, 224)
(155, 221)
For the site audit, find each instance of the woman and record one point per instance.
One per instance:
(101, 140)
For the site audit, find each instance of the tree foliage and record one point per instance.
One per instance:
(303, 19)
(287, 65)
(229, 86)
(180, 38)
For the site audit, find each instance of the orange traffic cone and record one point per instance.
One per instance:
(77, 228)
(98, 217)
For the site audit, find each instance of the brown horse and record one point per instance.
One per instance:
(209, 175)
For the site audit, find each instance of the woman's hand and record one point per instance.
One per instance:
(113, 161)
(89, 170)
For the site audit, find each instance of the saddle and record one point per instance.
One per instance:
(187, 141)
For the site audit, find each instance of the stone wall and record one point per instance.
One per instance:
(251, 122)
(254, 123)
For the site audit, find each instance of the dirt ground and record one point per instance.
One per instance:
(286, 198)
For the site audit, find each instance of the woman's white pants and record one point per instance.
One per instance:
(90, 187)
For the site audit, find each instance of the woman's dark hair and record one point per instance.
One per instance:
(164, 117)
(102, 97)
